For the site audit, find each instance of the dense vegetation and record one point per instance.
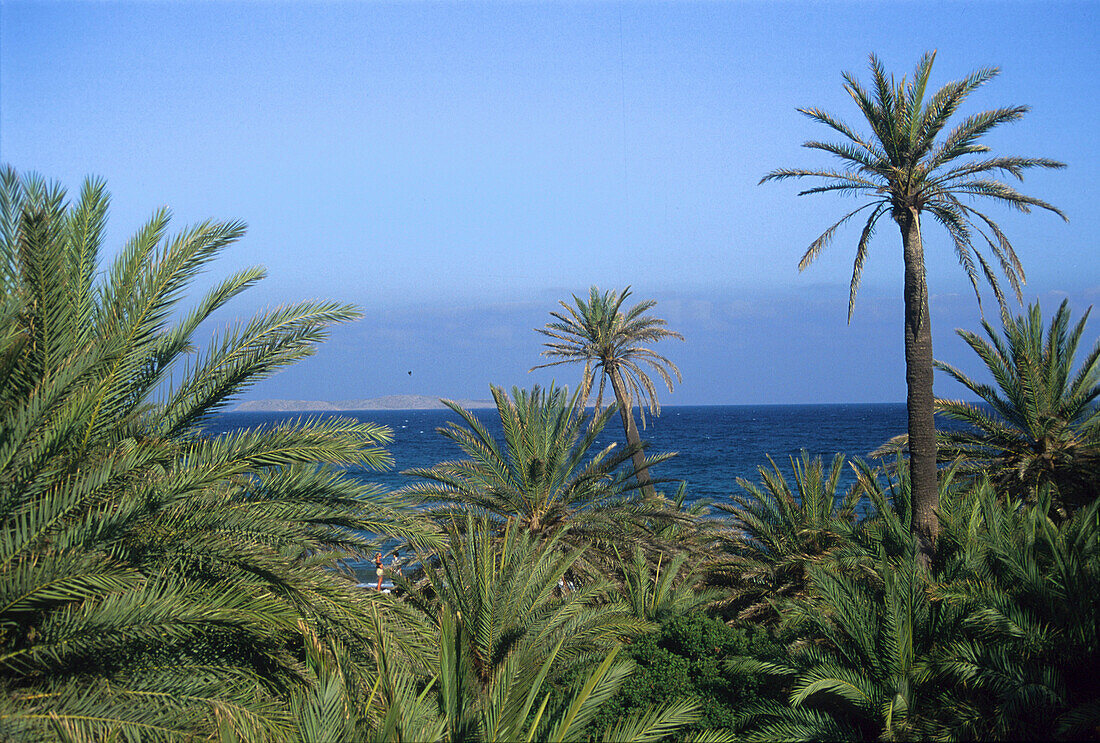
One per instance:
(161, 583)
(905, 170)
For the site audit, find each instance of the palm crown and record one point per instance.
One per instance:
(1040, 424)
(542, 475)
(902, 168)
(599, 334)
(778, 531)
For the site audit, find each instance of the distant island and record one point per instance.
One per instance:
(389, 402)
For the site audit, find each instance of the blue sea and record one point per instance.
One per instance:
(715, 445)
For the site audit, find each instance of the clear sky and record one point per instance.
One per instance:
(457, 168)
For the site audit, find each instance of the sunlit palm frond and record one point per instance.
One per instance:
(157, 582)
(542, 476)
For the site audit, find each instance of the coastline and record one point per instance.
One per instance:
(388, 402)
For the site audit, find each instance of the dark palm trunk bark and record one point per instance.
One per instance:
(626, 411)
(919, 398)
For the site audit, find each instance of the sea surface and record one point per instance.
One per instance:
(715, 444)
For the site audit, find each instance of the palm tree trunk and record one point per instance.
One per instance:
(626, 411)
(919, 398)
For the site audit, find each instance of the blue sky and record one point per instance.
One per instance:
(457, 168)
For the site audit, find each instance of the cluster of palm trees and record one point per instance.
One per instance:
(158, 582)
(990, 643)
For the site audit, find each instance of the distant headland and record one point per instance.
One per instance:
(389, 402)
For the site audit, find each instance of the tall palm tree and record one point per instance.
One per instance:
(156, 582)
(905, 171)
(607, 340)
(1041, 426)
(542, 476)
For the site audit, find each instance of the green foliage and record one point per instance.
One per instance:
(998, 641)
(507, 629)
(657, 592)
(156, 582)
(1042, 425)
(889, 493)
(688, 525)
(685, 658)
(776, 532)
(1029, 648)
(541, 477)
(509, 596)
(866, 669)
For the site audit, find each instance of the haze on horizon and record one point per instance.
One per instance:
(456, 169)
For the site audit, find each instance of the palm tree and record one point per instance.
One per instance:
(518, 706)
(1041, 426)
(905, 172)
(506, 591)
(687, 527)
(864, 668)
(157, 582)
(541, 476)
(504, 638)
(506, 628)
(659, 592)
(607, 340)
(776, 532)
(1025, 664)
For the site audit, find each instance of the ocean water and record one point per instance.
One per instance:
(715, 445)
